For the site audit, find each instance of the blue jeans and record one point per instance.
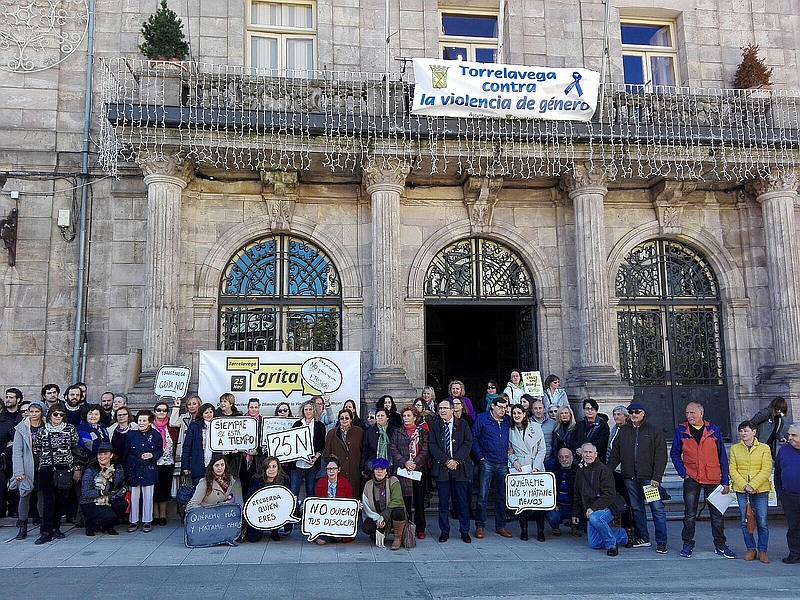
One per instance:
(561, 513)
(492, 472)
(759, 503)
(298, 476)
(638, 506)
(458, 491)
(601, 534)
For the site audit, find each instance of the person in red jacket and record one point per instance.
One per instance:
(700, 459)
(333, 486)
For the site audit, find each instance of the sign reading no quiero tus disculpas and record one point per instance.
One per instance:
(452, 88)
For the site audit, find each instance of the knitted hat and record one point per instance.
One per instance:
(40, 404)
(380, 463)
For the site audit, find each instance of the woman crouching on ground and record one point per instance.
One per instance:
(383, 505)
(103, 492)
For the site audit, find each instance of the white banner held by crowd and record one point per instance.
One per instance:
(454, 88)
(233, 433)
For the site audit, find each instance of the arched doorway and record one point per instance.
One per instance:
(480, 315)
(670, 332)
(280, 293)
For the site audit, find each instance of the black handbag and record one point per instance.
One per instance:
(62, 478)
(185, 491)
(619, 507)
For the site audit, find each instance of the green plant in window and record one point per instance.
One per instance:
(163, 36)
(752, 71)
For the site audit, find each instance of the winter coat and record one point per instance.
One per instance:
(349, 453)
(369, 445)
(394, 499)
(193, 457)
(514, 392)
(594, 488)
(89, 490)
(706, 462)
(343, 488)
(490, 438)
(92, 437)
(401, 454)
(652, 455)
(750, 466)
(528, 447)
(142, 471)
(596, 434)
(765, 422)
(217, 495)
(56, 448)
(23, 461)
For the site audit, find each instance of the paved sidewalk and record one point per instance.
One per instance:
(164, 546)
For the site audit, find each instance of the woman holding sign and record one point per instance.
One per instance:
(410, 455)
(514, 387)
(382, 502)
(344, 441)
(526, 450)
(216, 486)
(333, 486)
(271, 474)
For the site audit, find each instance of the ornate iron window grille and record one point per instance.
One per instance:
(478, 269)
(669, 323)
(280, 293)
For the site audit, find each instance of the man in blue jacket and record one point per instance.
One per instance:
(490, 448)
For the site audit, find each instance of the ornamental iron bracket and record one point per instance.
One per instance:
(8, 233)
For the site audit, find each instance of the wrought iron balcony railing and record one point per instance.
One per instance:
(228, 115)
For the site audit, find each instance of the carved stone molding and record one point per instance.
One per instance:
(174, 169)
(669, 201)
(777, 182)
(480, 197)
(279, 191)
(389, 173)
(585, 178)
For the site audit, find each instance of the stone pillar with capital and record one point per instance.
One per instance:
(595, 376)
(777, 195)
(165, 179)
(384, 184)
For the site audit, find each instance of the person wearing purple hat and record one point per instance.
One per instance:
(641, 450)
(383, 505)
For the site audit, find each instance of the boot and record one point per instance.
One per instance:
(523, 527)
(540, 532)
(398, 526)
(23, 529)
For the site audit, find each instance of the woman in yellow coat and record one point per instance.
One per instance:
(750, 466)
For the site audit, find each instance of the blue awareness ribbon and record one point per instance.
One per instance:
(576, 77)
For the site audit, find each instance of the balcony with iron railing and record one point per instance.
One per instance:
(227, 116)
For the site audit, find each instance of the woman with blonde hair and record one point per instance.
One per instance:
(565, 424)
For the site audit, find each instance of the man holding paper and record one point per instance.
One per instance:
(699, 456)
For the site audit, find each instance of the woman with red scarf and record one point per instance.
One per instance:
(409, 449)
(162, 492)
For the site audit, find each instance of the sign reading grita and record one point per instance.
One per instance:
(453, 88)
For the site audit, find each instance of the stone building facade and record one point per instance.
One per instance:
(575, 226)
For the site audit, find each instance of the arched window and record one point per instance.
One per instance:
(478, 269)
(670, 330)
(280, 293)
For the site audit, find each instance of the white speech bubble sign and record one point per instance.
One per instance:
(525, 491)
(172, 382)
(270, 508)
(275, 425)
(233, 433)
(337, 517)
(322, 374)
(292, 444)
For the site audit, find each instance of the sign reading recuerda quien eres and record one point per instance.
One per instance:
(453, 88)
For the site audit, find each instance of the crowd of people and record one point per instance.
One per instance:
(97, 465)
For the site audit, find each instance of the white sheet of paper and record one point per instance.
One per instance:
(525, 469)
(415, 475)
(380, 539)
(719, 500)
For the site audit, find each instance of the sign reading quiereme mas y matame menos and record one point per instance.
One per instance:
(454, 88)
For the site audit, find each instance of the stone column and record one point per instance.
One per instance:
(777, 196)
(165, 180)
(595, 375)
(384, 183)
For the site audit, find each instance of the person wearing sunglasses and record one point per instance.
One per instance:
(162, 493)
(55, 444)
(641, 450)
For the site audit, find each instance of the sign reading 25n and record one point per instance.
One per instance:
(314, 377)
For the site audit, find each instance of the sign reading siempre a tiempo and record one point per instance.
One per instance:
(454, 88)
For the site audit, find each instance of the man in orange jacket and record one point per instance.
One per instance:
(700, 459)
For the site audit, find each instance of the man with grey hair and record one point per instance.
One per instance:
(787, 484)
(594, 497)
(699, 456)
